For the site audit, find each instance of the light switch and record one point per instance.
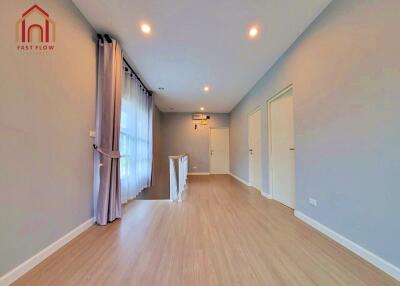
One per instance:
(92, 134)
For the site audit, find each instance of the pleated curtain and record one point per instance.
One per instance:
(110, 76)
(136, 137)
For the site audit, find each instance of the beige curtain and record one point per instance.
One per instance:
(108, 131)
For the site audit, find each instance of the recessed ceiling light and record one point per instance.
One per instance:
(145, 28)
(253, 32)
(202, 108)
(206, 88)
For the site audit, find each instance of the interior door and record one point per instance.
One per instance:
(255, 173)
(219, 150)
(282, 149)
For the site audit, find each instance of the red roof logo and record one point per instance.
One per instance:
(35, 26)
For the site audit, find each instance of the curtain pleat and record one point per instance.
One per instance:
(136, 138)
(108, 131)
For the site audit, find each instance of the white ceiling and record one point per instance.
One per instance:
(203, 42)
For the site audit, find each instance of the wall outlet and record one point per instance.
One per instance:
(92, 134)
(312, 202)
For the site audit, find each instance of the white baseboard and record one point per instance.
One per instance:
(240, 180)
(372, 258)
(199, 174)
(268, 196)
(23, 268)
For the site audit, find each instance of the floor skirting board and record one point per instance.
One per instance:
(264, 194)
(199, 174)
(239, 179)
(268, 196)
(372, 258)
(23, 268)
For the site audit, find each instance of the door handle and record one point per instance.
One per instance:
(292, 149)
(251, 151)
(211, 152)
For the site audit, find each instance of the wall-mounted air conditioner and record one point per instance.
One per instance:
(200, 116)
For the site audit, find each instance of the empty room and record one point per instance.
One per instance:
(200, 142)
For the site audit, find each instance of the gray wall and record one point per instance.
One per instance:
(345, 70)
(178, 136)
(47, 109)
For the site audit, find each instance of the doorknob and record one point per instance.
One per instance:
(211, 152)
(251, 151)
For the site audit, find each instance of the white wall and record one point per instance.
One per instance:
(345, 70)
(47, 107)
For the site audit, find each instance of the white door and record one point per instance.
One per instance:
(281, 140)
(219, 150)
(255, 173)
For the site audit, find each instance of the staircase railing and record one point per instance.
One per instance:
(178, 171)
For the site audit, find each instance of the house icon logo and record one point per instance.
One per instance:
(35, 30)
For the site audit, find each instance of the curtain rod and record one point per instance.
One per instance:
(109, 40)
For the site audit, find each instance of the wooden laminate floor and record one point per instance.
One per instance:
(222, 234)
(159, 190)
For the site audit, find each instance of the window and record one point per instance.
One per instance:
(135, 138)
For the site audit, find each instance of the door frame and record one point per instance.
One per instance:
(258, 108)
(270, 169)
(209, 149)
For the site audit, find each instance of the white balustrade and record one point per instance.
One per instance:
(178, 171)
